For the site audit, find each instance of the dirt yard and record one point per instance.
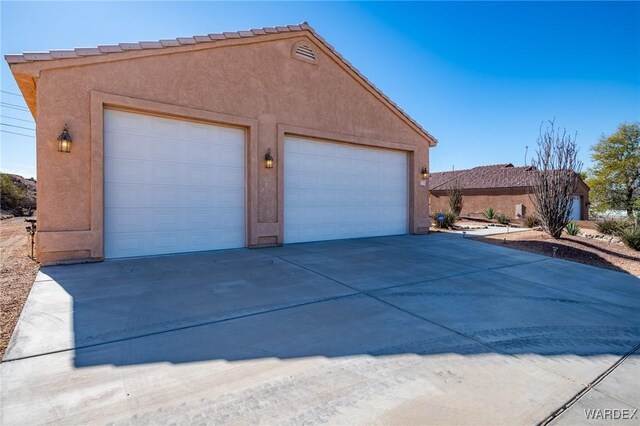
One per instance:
(594, 252)
(16, 276)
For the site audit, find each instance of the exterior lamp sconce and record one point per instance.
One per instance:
(64, 141)
(424, 173)
(268, 159)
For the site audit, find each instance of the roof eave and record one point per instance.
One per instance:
(27, 67)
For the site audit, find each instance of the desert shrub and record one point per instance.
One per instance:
(630, 236)
(503, 219)
(612, 226)
(531, 221)
(13, 198)
(490, 213)
(454, 194)
(449, 219)
(572, 228)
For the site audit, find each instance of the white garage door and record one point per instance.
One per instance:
(575, 208)
(335, 191)
(171, 186)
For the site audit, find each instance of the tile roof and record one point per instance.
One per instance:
(210, 38)
(144, 45)
(484, 177)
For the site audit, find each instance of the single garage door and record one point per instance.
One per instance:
(576, 208)
(171, 186)
(335, 191)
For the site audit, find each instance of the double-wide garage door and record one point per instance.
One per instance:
(173, 186)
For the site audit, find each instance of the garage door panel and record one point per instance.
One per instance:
(126, 195)
(198, 132)
(125, 220)
(167, 219)
(200, 173)
(337, 191)
(125, 123)
(157, 201)
(166, 150)
(163, 127)
(126, 170)
(201, 219)
(127, 244)
(166, 173)
(200, 153)
(124, 146)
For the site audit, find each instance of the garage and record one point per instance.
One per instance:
(253, 139)
(335, 191)
(171, 185)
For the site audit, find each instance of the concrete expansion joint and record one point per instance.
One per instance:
(517, 264)
(588, 387)
(368, 294)
(485, 344)
(172, 330)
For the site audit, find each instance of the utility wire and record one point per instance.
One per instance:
(19, 134)
(10, 93)
(18, 107)
(19, 127)
(14, 105)
(14, 118)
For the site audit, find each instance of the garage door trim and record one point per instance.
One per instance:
(389, 220)
(286, 130)
(101, 101)
(172, 185)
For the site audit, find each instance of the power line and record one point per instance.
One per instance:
(19, 127)
(10, 93)
(13, 105)
(18, 107)
(14, 118)
(19, 134)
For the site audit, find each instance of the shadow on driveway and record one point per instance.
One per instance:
(422, 295)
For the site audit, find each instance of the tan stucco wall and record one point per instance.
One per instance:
(503, 200)
(255, 85)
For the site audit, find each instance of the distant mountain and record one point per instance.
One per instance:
(17, 195)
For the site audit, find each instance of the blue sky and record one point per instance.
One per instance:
(479, 76)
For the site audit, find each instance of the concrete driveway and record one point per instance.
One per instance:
(431, 329)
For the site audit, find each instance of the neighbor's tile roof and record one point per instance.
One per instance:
(484, 177)
(210, 38)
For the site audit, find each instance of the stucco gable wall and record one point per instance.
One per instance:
(259, 81)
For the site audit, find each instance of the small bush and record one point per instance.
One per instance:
(572, 228)
(503, 219)
(531, 221)
(449, 219)
(630, 236)
(490, 213)
(611, 226)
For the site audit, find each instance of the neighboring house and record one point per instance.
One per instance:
(503, 187)
(241, 139)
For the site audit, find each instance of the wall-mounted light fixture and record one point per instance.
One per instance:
(268, 159)
(64, 140)
(424, 173)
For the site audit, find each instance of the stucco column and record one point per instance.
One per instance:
(267, 229)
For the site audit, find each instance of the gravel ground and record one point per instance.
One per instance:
(17, 274)
(577, 249)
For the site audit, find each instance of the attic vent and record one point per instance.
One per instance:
(304, 52)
